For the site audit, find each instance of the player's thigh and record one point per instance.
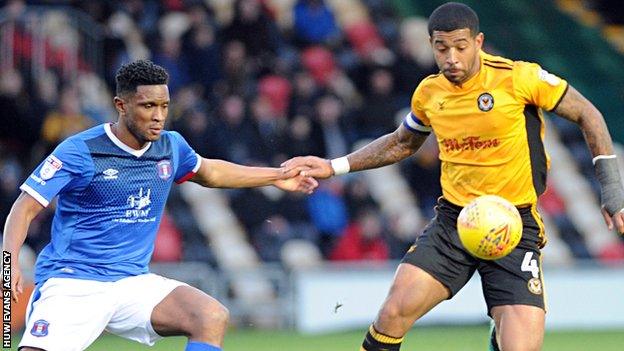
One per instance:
(138, 297)
(439, 252)
(413, 293)
(67, 314)
(434, 269)
(190, 311)
(519, 327)
(516, 279)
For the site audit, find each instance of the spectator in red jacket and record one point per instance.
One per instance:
(362, 239)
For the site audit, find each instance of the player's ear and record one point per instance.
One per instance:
(479, 40)
(120, 104)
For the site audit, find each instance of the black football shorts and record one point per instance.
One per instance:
(515, 279)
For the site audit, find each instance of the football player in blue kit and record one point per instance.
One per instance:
(112, 182)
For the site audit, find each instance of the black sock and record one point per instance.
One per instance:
(376, 341)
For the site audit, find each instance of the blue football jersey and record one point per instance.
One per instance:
(110, 202)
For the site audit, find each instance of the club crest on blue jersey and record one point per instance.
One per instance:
(50, 166)
(485, 102)
(164, 169)
(40, 328)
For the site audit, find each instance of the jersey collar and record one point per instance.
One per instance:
(124, 147)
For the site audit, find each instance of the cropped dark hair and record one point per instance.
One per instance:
(140, 72)
(452, 16)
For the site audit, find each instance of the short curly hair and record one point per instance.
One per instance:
(140, 72)
(452, 16)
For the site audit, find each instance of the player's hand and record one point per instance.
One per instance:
(17, 282)
(290, 172)
(298, 183)
(317, 167)
(617, 220)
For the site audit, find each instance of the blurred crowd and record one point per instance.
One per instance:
(254, 82)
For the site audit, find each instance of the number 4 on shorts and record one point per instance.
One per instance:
(529, 264)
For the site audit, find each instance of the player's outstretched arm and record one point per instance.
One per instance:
(222, 174)
(576, 108)
(24, 210)
(385, 150)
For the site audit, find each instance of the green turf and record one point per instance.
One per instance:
(472, 338)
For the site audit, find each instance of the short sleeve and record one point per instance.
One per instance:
(416, 120)
(60, 172)
(535, 86)
(188, 161)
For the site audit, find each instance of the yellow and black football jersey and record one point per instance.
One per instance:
(490, 129)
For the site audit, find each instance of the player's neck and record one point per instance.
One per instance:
(125, 136)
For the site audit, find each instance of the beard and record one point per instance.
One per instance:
(457, 77)
(142, 136)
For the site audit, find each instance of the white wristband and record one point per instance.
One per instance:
(340, 165)
(599, 157)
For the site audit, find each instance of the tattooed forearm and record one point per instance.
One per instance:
(576, 108)
(388, 149)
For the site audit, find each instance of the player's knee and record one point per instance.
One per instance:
(221, 315)
(390, 311)
(212, 316)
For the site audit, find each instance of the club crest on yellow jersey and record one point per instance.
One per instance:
(485, 102)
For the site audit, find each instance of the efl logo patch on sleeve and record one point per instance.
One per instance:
(50, 167)
(40, 328)
(549, 78)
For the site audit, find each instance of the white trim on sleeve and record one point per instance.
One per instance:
(199, 162)
(32, 192)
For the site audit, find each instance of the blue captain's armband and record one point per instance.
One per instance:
(415, 125)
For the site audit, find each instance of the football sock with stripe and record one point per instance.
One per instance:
(376, 341)
(200, 346)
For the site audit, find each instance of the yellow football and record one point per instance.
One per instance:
(489, 227)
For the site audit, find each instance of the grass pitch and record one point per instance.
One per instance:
(471, 338)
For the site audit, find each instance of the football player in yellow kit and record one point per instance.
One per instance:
(486, 112)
